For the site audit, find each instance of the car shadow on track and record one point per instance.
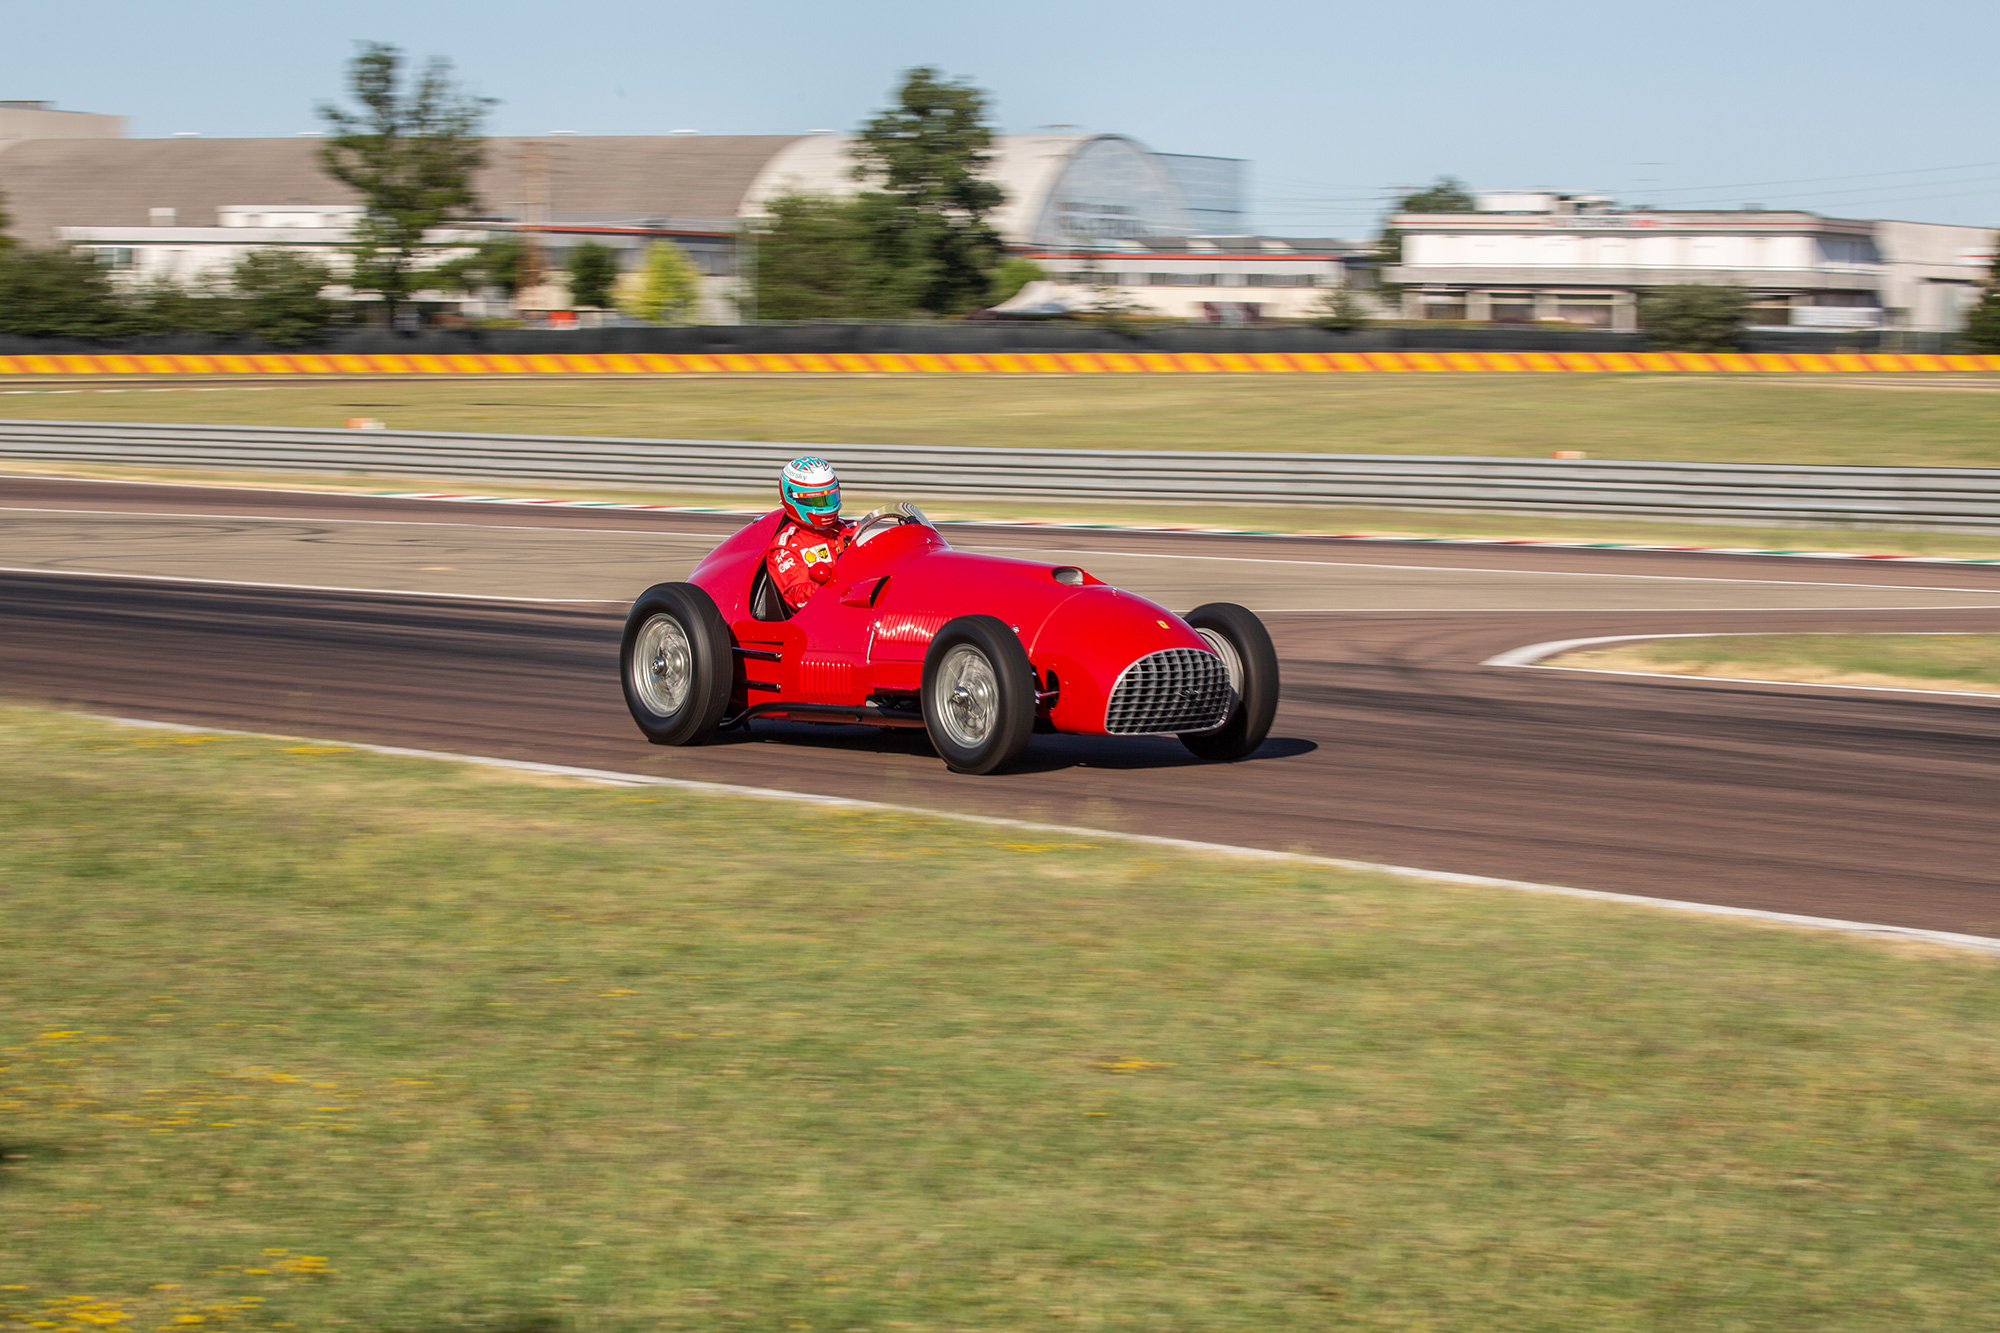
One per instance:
(1046, 754)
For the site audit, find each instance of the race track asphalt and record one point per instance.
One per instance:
(1393, 743)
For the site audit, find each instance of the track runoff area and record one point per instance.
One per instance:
(1409, 736)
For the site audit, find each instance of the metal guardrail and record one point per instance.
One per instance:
(1954, 498)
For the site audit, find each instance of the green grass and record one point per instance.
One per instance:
(1951, 421)
(1913, 661)
(304, 1037)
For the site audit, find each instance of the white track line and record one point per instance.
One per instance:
(307, 587)
(1531, 658)
(1907, 933)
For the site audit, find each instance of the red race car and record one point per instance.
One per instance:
(979, 650)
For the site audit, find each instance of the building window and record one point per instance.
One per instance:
(116, 258)
(1584, 308)
(1769, 312)
(1512, 308)
(1443, 305)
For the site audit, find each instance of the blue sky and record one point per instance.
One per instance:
(1857, 109)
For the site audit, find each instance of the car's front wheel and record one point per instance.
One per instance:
(978, 694)
(676, 663)
(1234, 634)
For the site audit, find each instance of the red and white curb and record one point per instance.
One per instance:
(1908, 934)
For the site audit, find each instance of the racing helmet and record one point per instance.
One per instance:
(810, 493)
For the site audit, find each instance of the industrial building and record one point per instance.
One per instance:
(1532, 256)
(183, 208)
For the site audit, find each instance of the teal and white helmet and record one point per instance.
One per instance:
(810, 492)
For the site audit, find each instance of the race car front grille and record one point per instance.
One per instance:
(1177, 689)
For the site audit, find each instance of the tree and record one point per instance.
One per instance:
(410, 154)
(6, 221)
(1339, 307)
(1446, 194)
(928, 156)
(278, 296)
(824, 258)
(59, 293)
(163, 306)
(1982, 321)
(1693, 317)
(593, 271)
(493, 263)
(1013, 274)
(665, 289)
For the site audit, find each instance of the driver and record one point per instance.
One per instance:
(812, 536)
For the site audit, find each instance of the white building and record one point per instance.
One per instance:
(1538, 256)
(1213, 279)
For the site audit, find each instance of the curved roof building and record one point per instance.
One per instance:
(1062, 189)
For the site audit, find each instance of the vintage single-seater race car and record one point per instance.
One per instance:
(979, 650)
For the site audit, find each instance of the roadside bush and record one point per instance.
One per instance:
(1013, 274)
(277, 297)
(593, 272)
(1694, 317)
(59, 293)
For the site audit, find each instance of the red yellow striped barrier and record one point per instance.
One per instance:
(990, 363)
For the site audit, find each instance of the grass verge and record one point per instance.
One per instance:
(1942, 421)
(1895, 661)
(1355, 520)
(297, 1036)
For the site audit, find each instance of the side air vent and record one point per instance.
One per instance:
(1174, 690)
(1069, 574)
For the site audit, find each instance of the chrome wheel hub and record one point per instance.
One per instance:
(663, 665)
(968, 696)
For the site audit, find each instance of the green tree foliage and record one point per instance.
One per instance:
(59, 293)
(1694, 317)
(1339, 308)
(824, 258)
(277, 297)
(410, 154)
(1014, 273)
(1446, 194)
(665, 289)
(495, 262)
(1982, 321)
(168, 307)
(927, 154)
(6, 222)
(593, 272)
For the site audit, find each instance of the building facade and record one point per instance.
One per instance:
(1544, 256)
(1211, 279)
(173, 209)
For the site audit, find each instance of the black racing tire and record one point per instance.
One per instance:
(978, 694)
(676, 663)
(1243, 643)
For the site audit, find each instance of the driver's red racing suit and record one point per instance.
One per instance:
(801, 558)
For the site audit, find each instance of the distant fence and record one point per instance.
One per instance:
(1955, 498)
(978, 363)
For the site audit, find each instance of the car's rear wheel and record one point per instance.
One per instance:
(1234, 634)
(978, 694)
(675, 663)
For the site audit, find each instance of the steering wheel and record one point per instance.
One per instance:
(878, 521)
